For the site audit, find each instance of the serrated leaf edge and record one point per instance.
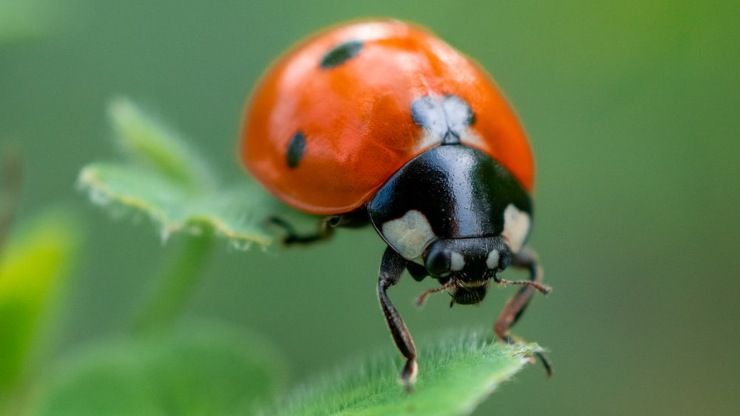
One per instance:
(99, 194)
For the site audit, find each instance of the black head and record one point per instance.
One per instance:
(466, 265)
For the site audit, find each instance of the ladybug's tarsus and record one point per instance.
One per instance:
(515, 307)
(391, 269)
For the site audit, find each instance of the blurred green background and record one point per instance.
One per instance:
(632, 111)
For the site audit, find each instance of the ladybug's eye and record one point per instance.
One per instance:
(498, 260)
(505, 260)
(492, 259)
(438, 261)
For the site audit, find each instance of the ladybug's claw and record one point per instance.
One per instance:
(545, 362)
(408, 375)
(539, 355)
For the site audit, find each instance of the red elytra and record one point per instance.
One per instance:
(347, 93)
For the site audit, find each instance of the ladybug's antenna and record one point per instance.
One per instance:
(424, 295)
(544, 289)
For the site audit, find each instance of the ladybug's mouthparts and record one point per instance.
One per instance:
(468, 292)
(463, 292)
(469, 295)
(472, 284)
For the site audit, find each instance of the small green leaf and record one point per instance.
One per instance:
(32, 269)
(151, 143)
(166, 180)
(194, 370)
(456, 374)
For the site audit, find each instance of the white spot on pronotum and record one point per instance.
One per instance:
(516, 227)
(409, 235)
(457, 262)
(492, 259)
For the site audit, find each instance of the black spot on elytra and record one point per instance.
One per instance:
(296, 148)
(341, 53)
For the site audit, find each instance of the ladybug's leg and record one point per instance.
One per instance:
(515, 307)
(324, 231)
(417, 271)
(391, 268)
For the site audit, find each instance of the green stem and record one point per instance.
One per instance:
(10, 189)
(175, 283)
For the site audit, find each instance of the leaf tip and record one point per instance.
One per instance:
(88, 183)
(458, 371)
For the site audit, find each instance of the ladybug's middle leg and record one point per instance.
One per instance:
(391, 269)
(515, 307)
(324, 231)
(325, 227)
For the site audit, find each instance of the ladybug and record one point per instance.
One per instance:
(380, 122)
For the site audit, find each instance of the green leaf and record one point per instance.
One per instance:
(157, 146)
(193, 370)
(37, 259)
(456, 374)
(167, 180)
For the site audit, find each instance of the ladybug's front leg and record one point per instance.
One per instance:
(391, 268)
(515, 307)
(417, 271)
